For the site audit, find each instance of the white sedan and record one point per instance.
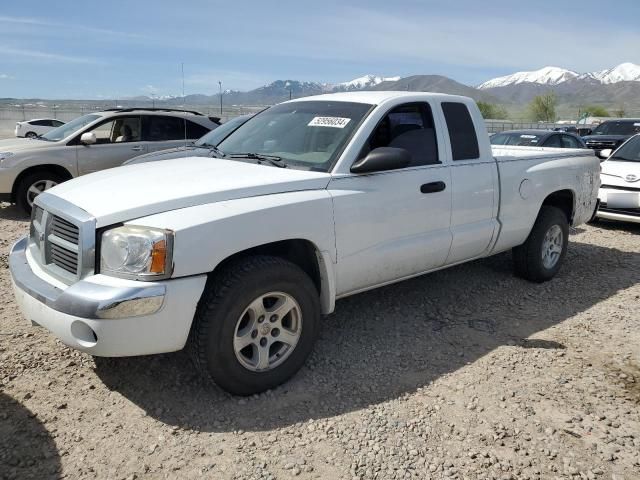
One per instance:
(36, 127)
(619, 193)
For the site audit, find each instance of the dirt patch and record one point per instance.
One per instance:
(466, 373)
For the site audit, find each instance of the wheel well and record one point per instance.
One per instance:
(297, 251)
(57, 169)
(562, 199)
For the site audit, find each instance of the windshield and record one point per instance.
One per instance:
(515, 138)
(305, 134)
(215, 136)
(617, 128)
(629, 152)
(67, 129)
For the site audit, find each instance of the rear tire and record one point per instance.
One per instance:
(31, 135)
(540, 257)
(33, 184)
(230, 342)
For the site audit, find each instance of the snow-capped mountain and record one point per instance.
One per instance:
(544, 76)
(625, 72)
(365, 82)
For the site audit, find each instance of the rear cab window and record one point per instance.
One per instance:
(462, 131)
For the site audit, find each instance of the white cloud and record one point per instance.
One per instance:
(62, 28)
(47, 56)
(4, 76)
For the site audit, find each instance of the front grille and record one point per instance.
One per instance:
(65, 230)
(55, 242)
(625, 189)
(601, 144)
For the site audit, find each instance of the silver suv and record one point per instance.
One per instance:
(90, 143)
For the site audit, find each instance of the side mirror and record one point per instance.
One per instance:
(606, 153)
(88, 138)
(382, 158)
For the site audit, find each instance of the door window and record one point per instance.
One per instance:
(118, 130)
(462, 132)
(570, 142)
(411, 127)
(553, 141)
(160, 128)
(194, 130)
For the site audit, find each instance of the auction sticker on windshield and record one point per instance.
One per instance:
(334, 122)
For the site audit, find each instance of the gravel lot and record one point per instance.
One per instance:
(465, 373)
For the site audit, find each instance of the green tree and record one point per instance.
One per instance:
(492, 111)
(596, 111)
(543, 108)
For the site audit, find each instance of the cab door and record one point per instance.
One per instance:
(117, 140)
(474, 178)
(394, 224)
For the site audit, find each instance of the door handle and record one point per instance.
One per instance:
(433, 187)
(137, 149)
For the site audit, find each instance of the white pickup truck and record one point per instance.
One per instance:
(310, 201)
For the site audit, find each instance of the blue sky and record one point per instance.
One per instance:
(116, 49)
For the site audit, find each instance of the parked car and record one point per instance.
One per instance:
(567, 129)
(611, 134)
(91, 143)
(619, 193)
(36, 127)
(538, 138)
(315, 199)
(203, 147)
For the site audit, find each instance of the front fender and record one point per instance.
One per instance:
(206, 235)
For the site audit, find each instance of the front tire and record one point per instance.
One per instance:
(255, 325)
(32, 185)
(540, 257)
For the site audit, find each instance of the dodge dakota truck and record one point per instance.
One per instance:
(237, 258)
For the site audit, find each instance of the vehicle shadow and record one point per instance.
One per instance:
(12, 212)
(26, 447)
(386, 342)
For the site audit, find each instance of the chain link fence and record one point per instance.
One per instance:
(11, 114)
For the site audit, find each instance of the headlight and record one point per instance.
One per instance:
(140, 253)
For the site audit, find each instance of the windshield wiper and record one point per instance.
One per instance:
(622, 159)
(272, 159)
(211, 147)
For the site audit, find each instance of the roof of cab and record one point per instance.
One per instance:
(375, 97)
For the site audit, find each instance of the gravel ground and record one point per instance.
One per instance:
(466, 373)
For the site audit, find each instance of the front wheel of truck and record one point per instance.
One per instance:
(539, 258)
(255, 324)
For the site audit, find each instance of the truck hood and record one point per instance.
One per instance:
(16, 145)
(620, 173)
(135, 191)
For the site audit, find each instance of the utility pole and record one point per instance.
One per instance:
(289, 93)
(220, 85)
(182, 68)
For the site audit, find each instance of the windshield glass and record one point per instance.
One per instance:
(617, 128)
(67, 129)
(215, 136)
(516, 138)
(305, 134)
(629, 152)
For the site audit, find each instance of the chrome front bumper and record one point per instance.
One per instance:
(84, 298)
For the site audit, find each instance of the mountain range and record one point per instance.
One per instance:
(625, 72)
